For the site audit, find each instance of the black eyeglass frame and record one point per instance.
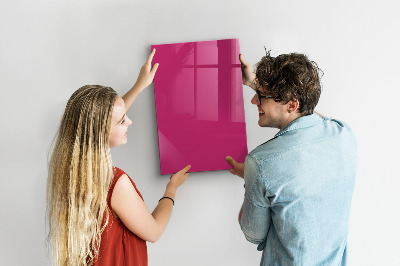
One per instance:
(276, 99)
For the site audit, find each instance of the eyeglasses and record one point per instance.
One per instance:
(276, 99)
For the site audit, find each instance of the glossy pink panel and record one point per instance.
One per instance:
(199, 105)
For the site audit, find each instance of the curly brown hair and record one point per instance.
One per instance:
(290, 77)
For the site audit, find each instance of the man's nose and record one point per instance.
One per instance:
(254, 100)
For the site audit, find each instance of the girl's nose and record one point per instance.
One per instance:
(128, 121)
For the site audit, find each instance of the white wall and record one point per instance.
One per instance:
(49, 49)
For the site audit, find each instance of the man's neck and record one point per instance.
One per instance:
(289, 119)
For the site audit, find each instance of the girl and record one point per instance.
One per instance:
(96, 214)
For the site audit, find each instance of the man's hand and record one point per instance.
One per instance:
(248, 76)
(238, 168)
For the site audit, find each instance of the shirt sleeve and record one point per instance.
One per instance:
(256, 217)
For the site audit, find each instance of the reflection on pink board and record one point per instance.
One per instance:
(199, 105)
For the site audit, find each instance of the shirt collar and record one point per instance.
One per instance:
(301, 122)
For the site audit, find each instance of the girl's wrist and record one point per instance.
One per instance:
(137, 88)
(169, 194)
(170, 190)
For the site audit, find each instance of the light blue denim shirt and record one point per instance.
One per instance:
(298, 191)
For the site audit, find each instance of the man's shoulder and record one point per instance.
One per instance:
(337, 122)
(268, 150)
(336, 128)
(294, 141)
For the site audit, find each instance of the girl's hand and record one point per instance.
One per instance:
(179, 178)
(146, 74)
(145, 78)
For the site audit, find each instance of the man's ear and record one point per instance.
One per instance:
(293, 105)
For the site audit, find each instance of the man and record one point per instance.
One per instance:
(299, 184)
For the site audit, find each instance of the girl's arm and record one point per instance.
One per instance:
(131, 209)
(145, 78)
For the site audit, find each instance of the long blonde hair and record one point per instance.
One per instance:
(80, 174)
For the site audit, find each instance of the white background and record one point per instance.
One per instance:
(48, 49)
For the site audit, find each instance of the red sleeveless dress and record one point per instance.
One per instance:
(119, 246)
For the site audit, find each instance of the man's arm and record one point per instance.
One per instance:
(238, 169)
(240, 213)
(254, 216)
(248, 75)
(318, 114)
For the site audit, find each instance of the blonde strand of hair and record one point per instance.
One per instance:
(80, 173)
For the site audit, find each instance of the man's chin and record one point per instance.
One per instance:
(261, 124)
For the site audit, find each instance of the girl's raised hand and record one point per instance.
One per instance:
(147, 73)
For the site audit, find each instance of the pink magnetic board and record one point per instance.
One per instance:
(199, 105)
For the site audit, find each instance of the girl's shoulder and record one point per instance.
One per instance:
(118, 172)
